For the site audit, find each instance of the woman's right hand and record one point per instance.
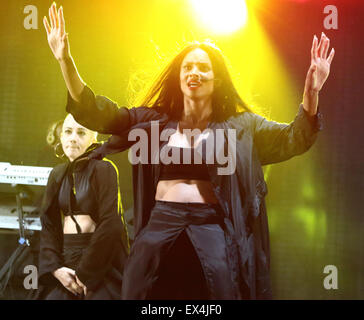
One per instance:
(56, 34)
(67, 277)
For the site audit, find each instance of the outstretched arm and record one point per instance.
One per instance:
(98, 114)
(95, 112)
(277, 142)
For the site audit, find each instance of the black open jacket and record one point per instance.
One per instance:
(109, 245)
(241, 194)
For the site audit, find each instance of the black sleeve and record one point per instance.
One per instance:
(51, 235)
(103, 115)
(106, 241)
(277, 142)
(98, 113)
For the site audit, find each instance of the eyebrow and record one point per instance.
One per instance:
(203, 63)
(76, 128)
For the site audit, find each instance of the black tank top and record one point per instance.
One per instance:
(186, 164)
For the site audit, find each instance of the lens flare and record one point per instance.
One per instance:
(222, 16)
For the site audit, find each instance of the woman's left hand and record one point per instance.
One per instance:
(320, 64)
(318, 72)
(81, 285)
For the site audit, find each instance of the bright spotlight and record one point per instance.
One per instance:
(222, 16)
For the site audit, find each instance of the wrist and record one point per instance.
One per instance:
(310, 108)
(310, 101)
(65, 60)
(311, 93)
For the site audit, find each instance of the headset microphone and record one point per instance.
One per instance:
(211, 79)
(217, 81)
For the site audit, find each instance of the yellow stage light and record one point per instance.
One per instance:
(222, 16)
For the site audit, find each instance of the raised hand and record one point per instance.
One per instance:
(320, 64)
(317, 73)
(56, 34)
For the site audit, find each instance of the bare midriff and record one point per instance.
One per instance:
(85, 222)
(186, 191)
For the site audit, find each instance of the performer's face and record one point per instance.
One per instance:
(196, 75)
(75, 139)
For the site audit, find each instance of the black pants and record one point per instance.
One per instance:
(182, 253)
(73, 246)
(180, 276)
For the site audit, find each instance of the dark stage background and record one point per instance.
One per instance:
(314, 201)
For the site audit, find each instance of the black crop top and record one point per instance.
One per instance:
(185, 164)
(80, 202)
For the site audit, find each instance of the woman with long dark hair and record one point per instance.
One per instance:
(201, 229)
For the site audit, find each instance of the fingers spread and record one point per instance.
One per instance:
(55, 16)
(319, 49)
(46, 25)
(314, 48)
(331, 56)
(61, 20)
(327, 46)
(51, 17)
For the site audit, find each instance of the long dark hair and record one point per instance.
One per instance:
(166, 95)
